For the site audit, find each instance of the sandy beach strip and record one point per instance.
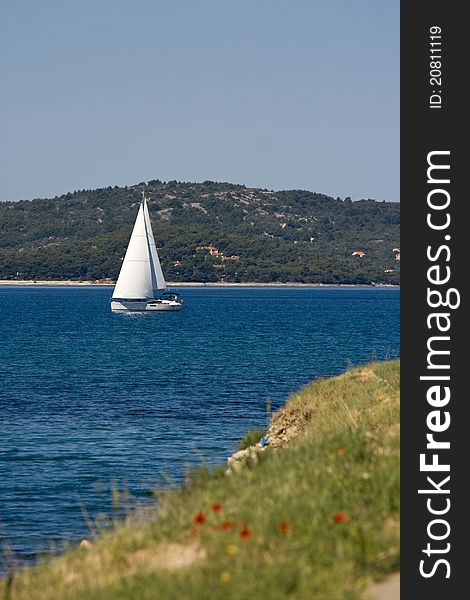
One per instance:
(69, 282)
(65, 282)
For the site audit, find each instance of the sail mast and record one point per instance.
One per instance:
(149, 246)
(158, 279)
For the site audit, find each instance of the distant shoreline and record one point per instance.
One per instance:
(70, 283)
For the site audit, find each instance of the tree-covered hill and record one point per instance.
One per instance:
(205, 232)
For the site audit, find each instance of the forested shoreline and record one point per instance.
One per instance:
(205, 232)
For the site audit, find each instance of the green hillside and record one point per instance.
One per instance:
(206, 232)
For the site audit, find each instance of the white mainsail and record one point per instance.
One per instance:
(141, 274)
(158, 280)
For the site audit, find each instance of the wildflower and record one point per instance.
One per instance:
(340, 517)
(245, 532)
(216, 507)
(232, 549)
(285, 527)
(341, 452)
(225, 577)
(200, 518)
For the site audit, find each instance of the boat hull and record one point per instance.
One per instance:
(147, 305)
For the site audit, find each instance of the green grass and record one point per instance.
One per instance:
(251, 438)
(303, 485)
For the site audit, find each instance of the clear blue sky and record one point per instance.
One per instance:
(271, 93)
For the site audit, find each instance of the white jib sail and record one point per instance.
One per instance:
(158, 280)
(135, 278)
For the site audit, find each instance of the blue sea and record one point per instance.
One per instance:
(90, 399)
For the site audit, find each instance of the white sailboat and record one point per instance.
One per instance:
(141, 284)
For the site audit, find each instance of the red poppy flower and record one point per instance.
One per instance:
(285, 527)
(216, 507)
(341, 452)
(245, 532)
(340, 517)
(200, 518)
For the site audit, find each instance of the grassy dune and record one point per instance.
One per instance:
(313, 516)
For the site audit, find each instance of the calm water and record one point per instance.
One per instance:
(88, 397)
